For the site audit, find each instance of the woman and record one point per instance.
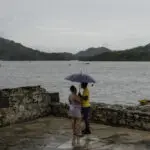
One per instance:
(75, 114)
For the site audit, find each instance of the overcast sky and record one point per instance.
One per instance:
(73, 25)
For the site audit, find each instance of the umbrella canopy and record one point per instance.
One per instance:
(80, 77)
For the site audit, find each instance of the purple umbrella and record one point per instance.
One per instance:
(80, 77)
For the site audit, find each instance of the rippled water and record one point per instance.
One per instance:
(117, 82)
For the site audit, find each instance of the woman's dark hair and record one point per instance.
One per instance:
(73, 89)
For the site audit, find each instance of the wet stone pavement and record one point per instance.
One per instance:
(55, 134)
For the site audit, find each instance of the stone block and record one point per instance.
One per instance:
(26, 103)
(54, 97)
(4, 102)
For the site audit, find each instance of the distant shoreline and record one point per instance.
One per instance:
(12, 51)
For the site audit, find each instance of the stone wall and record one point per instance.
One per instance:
(23, 104)
(136, 117)
(28, 103)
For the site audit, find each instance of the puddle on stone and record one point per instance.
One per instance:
(85, 142)
(49, 134)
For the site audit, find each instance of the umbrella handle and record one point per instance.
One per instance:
(79, 88)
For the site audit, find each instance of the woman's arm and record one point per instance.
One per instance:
(77, 98)
(83, 97)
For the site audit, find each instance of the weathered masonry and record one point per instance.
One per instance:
(24, 104)
(28, 103)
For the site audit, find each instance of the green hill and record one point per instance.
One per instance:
(141, 53)
(92, 52)
(9, 50)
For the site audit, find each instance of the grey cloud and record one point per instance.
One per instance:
(76, 24)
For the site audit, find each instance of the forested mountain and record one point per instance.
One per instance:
(10, 50)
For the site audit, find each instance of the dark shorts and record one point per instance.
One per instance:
(85, 112)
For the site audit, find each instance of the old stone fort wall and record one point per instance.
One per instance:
(28, 103)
